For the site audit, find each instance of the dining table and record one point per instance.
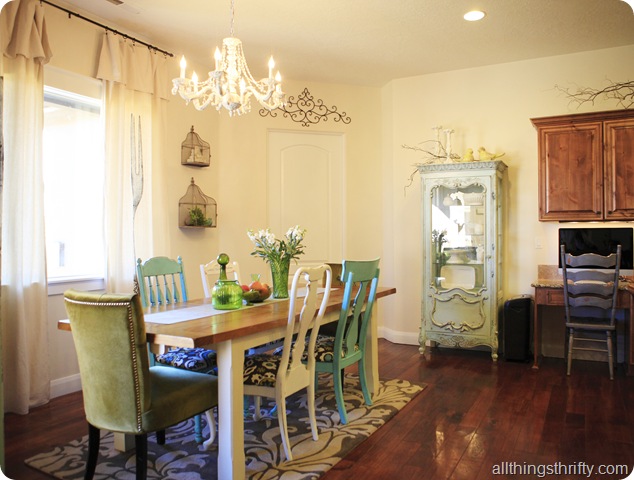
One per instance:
(195, 323)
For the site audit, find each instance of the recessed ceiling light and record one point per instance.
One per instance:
(474, 15)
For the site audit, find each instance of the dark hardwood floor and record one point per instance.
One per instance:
(474, 415)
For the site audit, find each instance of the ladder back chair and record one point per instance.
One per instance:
(162, 282)
(347, 346)
(590, 298)
(278, 375)
(148, 399)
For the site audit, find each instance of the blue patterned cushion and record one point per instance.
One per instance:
(261, 369)
(193, 359)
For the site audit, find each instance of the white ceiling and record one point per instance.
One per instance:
(370, 42)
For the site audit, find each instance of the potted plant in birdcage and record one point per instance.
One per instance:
(278, 253)
(197, 218)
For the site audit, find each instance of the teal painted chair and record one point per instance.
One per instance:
(278, 375)
(125, 394)
(162, 282)
(347, 346)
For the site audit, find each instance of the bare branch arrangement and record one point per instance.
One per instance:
(622, 92)
(438, 156)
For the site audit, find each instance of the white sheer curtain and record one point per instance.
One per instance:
(23, 301)
(136, 89)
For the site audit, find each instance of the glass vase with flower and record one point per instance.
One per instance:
(278, 253)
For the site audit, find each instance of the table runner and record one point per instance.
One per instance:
(169, 317)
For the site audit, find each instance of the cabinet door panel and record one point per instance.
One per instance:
(619, 166)
(571, 172)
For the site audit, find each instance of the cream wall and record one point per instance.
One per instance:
(488, 106)
(236, 178)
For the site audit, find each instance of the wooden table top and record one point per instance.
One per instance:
(216, 328)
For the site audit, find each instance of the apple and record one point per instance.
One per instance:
(262, 288)
(265, 292)
(245, 288)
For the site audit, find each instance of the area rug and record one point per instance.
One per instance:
(182, 459)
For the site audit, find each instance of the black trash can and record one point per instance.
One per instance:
(517, 328)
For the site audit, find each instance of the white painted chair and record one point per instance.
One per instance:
(211, 271)
(278, 376)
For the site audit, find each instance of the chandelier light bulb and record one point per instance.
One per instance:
(271, 66)
(183, 66)
(217, 57)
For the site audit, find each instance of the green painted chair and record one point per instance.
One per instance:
(347, 346)
(125, 394)
(162, 282)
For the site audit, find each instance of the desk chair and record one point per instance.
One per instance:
(280, 375)
(590, 298)
(347, 347)
(124, 394)
(162, 281)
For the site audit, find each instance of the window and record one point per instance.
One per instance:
(73, 168)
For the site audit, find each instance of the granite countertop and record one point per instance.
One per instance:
(548, 276)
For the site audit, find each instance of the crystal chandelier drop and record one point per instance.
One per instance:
(230, 85)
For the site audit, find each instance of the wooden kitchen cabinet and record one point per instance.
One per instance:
(586, 166)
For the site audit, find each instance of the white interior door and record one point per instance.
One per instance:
(305, 185)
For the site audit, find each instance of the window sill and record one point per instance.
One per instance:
(59, 286)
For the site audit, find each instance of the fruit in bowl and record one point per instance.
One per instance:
(256, 292)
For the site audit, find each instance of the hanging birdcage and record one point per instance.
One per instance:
(195, 151)
(195, 209)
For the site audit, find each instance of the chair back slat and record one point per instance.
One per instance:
(361, 282)
(161, 281)
(311, 312)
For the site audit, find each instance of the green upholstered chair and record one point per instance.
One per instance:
(280, 375)
(347, 346)
(125, 394)
(590, 298)
(162, 282)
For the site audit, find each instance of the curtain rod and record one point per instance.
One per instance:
(107, 28)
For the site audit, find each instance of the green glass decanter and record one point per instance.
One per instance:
(226, 294)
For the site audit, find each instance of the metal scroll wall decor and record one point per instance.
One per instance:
(307, 111)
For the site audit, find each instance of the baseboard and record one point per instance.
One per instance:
(63, 386)
(404, 338)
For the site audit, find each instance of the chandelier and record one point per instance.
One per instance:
(230, 85)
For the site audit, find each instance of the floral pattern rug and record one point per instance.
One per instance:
(182, 459)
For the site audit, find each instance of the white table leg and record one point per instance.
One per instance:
(231, 460)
